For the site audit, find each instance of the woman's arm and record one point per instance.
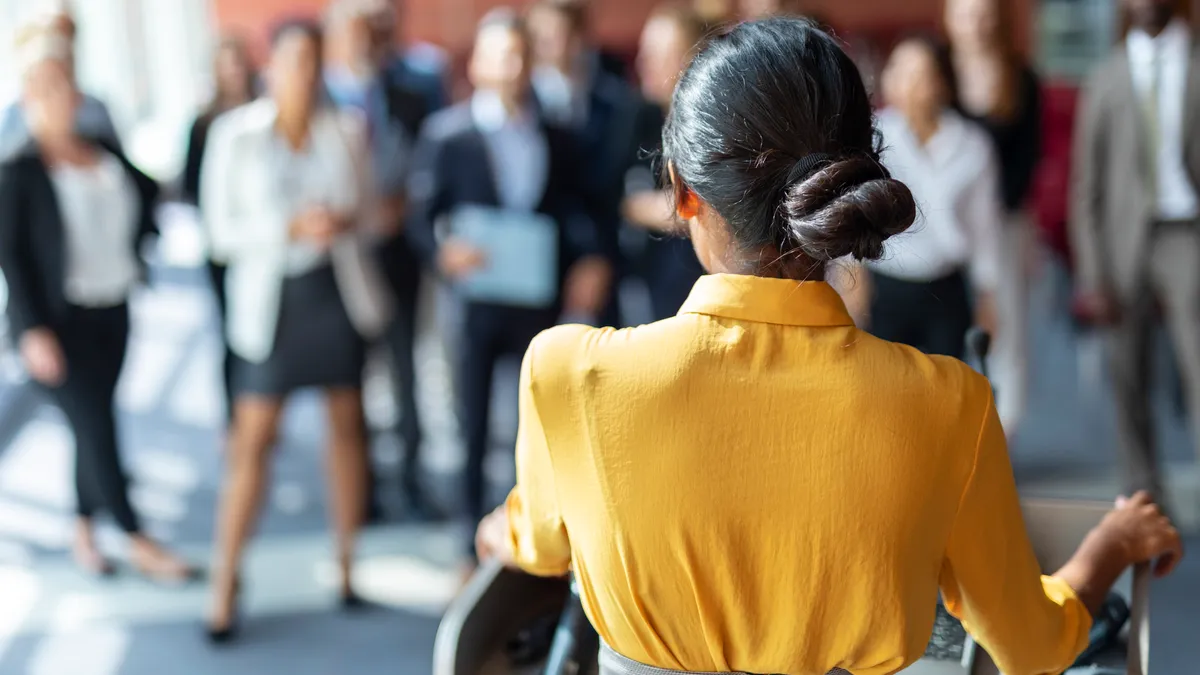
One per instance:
(25, 306)
(535, 538)
(1029, 623)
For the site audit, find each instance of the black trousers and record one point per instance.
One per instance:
(402, 343)
(402, 270)
(94, 343)
(932, 316)
(216, 275)
(490, 333)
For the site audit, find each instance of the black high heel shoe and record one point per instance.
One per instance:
(229, 632)
(351, 602)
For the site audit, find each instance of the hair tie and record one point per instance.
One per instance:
(807, 166)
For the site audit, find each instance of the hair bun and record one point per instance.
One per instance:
(850, 207)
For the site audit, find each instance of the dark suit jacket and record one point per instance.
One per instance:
(33, 242)
(430, 86)
(409, 109)
(452, 167)
(601, 146)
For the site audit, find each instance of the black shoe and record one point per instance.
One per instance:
(352, 602)
(227, 634)
(375, 513)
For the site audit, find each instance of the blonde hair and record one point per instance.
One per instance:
(38, 42)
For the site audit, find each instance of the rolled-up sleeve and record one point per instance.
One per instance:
(537, 535)
(1029, 623)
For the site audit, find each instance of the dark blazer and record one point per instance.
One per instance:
(194, 160)
(33, 243)
(429, 86)
(408, 108)
(452, 168)
(601, 146)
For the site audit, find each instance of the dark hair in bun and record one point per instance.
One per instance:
(772, 127)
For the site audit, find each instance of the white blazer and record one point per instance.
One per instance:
(248, 223)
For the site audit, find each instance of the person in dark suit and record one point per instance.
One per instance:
(73, 214)
(356, 79)
(667, 262)
(233, 77)
(597, 108)
(401, 66)
(495, 151)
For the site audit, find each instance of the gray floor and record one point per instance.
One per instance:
(54, 622)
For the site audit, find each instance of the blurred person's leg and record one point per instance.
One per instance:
(1129, 362)
(1175, 272)
(476, 367)
(255, 427)
(1010, 347)
(94, 345)
(403, 342)
(347, 473)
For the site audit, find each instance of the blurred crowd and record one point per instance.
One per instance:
(341, 175)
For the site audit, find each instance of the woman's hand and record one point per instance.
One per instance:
(457, 258)
(1144, 533)
(491, 539)
(317, 225)
(1135, 532)
(43, 357)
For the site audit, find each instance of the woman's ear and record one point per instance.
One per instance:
(687, 203)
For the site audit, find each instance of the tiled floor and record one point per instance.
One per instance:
(53, 622)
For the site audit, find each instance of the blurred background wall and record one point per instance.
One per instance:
(617, 22)
(155, 79)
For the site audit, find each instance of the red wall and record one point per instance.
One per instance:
(618, 22)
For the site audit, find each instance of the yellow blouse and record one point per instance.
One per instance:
(756, 485)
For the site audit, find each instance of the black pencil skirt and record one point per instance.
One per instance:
(316, 345)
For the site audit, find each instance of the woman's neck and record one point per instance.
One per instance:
(64, 149)
(294, 127)
(924, 125)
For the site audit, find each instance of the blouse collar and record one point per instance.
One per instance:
(762, 300)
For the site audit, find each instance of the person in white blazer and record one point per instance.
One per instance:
(286, 196)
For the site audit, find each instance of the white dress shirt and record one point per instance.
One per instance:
(1166, 57)
(99, 206)
(955, 180)
(304, 180)
(517, 149)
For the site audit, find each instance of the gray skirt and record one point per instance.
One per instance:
(316, 345)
